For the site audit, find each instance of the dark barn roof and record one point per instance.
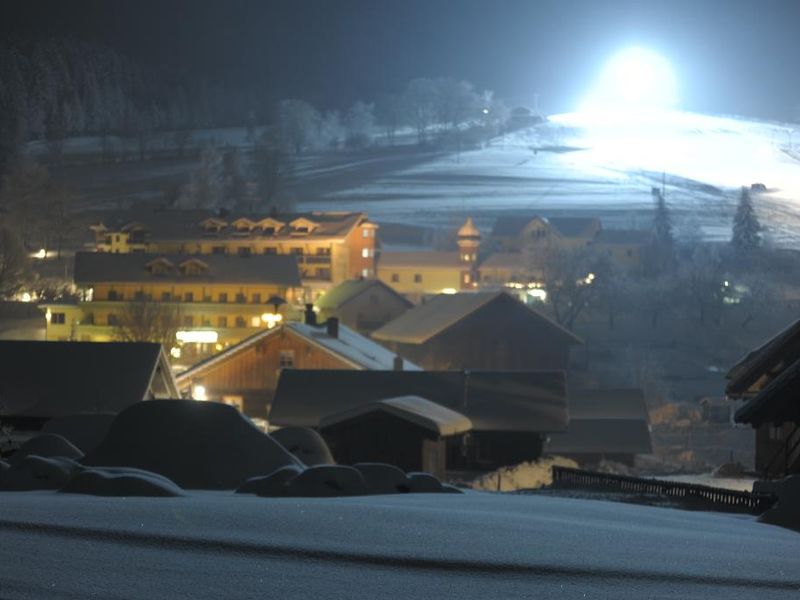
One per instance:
(54, 379)
(421, 323)
(776, 403)
(566, 226)
(265, 269)
(492, 400)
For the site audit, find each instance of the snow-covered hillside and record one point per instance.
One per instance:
(605, 166)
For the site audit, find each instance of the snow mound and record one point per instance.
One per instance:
(525, 476)
(84, 431)
(305, 444)
(272, 485)
(46, 445)
(326, 481)
(383, 479)
(38, 473)
(424, 483)
(199, 445)
(786, 512)
(132, 482)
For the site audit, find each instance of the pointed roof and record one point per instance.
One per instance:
(468, 230)
(348, 290)
(349, 346)
(428, 320)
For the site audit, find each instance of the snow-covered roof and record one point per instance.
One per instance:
(352, 347)
(532, 401)
(432, 416)
(425, 321)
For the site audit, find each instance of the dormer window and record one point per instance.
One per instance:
(213, 225)
(303, 226)
(270, 226)
(243, 225)
(160, 266)
(193, 266)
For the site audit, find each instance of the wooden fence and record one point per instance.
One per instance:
(718, 498)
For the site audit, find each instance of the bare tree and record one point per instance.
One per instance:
(702, 281)
(419, 101)
(571, 282)
(272, 168)
(146, 320)
(296, 124)
(13, 261)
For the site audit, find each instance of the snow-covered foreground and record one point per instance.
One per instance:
(601, 166)
(475, 545)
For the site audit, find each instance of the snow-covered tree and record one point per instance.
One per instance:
(206, 187)
(660, 253)
(297, 123)
(360, 122)
(746, 236)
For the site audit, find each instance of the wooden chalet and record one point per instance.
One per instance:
(766, 380)
(362, 304)
(604, 424)
(510, 413)
(245, 375)
(483, 330)
(40, 381)
(409, 432)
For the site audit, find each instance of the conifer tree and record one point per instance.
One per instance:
(746, 228)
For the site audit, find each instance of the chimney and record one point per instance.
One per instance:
(332, 325)
(398, 363)
(310, 315)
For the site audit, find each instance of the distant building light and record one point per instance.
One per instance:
(448, 291)
(271, 319)
(26, 297)
(538, 294)
(42, 253)
(48, 315)
(199, 393)
(197, 337)
(486, 111)
(175, 352)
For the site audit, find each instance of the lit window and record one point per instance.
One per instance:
(365, 253)
(365, 272)
(286, 358)
(365, 233)
(466, 278)
(255, 321)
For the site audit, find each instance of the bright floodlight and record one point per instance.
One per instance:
(635, 78)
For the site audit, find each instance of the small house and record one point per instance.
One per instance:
(511, 412)
(43, 380)
(409, 432)
(362, 304)
(245, 375)
(604, 424)
(483, 330)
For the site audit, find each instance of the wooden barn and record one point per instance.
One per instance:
(604, 424)
(482, 330)
(40, 381)
(511, 411)
(362, 304)
(245, 375)
(767, 380)
(409, 432)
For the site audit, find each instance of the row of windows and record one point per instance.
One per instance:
(248, 251)
(396, 278)
(188, 297)
(222, 322)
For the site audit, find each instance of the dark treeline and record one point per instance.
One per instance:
(53, 88)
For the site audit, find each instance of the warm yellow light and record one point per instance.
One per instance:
(199, 393)
(48, 315)
(175, 352)
(271, 319)
(42, 253)
(26, 297)
(448, 291)
(198, 337)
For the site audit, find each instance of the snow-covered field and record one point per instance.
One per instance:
(604, 166)
(476, 545)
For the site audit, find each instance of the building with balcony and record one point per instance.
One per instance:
(330, 247)
(216, 300)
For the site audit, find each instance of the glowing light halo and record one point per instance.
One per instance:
(634, 78)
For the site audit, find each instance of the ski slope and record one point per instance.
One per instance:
(603, 165)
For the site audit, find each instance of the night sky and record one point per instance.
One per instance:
(730, 56)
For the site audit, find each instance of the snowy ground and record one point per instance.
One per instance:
(476, 545)
(578, 163)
